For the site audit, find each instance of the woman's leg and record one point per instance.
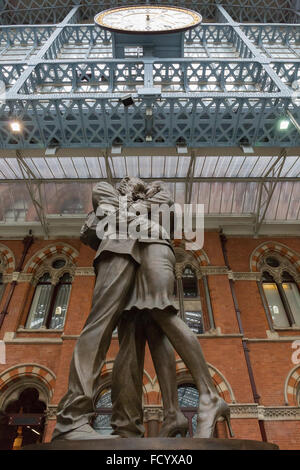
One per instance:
(185, 342)
(187, 346)
(163, 358)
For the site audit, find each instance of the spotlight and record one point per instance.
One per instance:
(116, 149)
(284, 124)
(127, 100)
(51, 150)
(247, 149)
(182, 148)
(15, 126)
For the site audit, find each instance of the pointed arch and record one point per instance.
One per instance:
(7, 260)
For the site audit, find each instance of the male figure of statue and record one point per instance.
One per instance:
(134, 276)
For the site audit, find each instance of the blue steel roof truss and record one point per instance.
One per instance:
(204, 101)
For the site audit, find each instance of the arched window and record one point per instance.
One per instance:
(189, 283)
(50, 302)
(192, 301)
(281, 292)
(101, 422)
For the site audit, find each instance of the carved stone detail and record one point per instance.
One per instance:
(55, 274)
(251, 276)
(277, 272)
(89, 271)
(153, 413)
(51, 412)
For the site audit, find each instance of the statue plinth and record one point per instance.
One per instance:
(155, 443)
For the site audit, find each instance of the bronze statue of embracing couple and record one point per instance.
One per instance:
(134, 292)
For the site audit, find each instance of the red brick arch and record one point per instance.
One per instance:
(292, 387)
(8, 258)
(50, 250)
(15, 373)
(223, 387)
(276, 247)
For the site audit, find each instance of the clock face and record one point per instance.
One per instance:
(148, 19)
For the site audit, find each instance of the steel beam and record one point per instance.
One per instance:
(34, 190)
(267, 188)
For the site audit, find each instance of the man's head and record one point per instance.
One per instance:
(131, 185)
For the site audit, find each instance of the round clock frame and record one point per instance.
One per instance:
(196, 19)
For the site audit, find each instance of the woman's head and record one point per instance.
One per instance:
(129, 185)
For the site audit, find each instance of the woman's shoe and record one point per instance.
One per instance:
(207, 419)
(174, 424)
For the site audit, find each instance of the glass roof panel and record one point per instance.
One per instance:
(68, 167)
(209, 166)
(293, 211)
(40, 165)
(247, 166)
(118, 165)
(145, 167)
(6, 172)
(227, 198)
(132, 167)
(260, 166)
(291, 168)
(158, 164)
(222, 166)
(14, 165)
(81, 167)
(171, 167)
(55, 167)
(234, 166)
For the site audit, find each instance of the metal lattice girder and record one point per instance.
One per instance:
(43, 11)
(80, 122)
(267, 188)
(204, 101)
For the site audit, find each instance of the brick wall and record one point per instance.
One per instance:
(270, 355)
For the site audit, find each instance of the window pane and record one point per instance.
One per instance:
(275, 305)
(40, 305)
(293, 296)
(195, 321)
(60, 306)
(189, 283)
(101, 423)
(188, 397)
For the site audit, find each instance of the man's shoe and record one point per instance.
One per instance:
(83, 433)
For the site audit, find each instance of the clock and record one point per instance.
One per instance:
(148, 19)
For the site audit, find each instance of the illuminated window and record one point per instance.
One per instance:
(50, 302)
(274, 300)
(281, 292)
